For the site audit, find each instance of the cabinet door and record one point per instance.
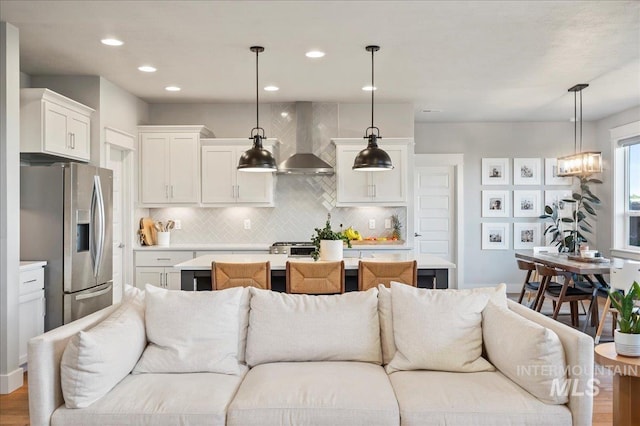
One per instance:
(390, 186)
(353, 186)
(154, 183)
(254, 187)
(184, 168)
(80, 133)
(150, 275)
(56, 131)
(172, 279)
(30, 320)
(219, 174)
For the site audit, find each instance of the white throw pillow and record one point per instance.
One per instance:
(192, 332)
(386, 324)
(527, 353)
(437, 330)
(95, 360)
(299, 327)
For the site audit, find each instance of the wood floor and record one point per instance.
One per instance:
(14, 408)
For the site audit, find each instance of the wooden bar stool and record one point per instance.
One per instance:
(565, 293)
(247, 274)
(315, 277)
(370, 273)
(528, 285)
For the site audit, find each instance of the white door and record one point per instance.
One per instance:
(219, 174)
(154, 182)
(389, 186)
(150, 275)
(184, 170)
(114, 162)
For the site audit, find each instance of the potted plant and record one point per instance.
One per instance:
(627, 335)
(328, 243)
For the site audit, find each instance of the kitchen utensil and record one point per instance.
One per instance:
(159, 226)
(170, 225)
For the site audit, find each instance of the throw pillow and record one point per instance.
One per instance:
(95, 360)
(527, 353)
(192, 332)
(300, 327)
(437, 330)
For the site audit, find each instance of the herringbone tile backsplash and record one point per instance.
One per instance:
(301, 202)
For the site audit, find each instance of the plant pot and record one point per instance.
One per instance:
(627, 344)
(164, 238)
(331, 250)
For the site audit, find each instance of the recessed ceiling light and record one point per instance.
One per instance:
(369, 88)
(314, 54)
(284, 114)
(431, 110)
(271, 88)
(111, 42)
(147, 68)
(172, 89)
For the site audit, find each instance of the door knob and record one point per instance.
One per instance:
(417, 235)
(121, 245)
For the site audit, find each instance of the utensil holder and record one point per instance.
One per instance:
(164, 238)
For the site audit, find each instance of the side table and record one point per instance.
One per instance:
(626, 384)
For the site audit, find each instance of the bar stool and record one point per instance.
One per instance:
(252, 274)
(528, 285)
(371, 273)
(560, 295)
(315, 277)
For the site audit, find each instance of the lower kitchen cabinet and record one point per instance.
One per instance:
(155, 267)
(168, 278)
(31, 307)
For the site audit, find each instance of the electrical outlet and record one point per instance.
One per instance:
(247, 224)
(372, 224)
(387, 224)
(178, 224)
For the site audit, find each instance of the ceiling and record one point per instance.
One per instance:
(471, 60)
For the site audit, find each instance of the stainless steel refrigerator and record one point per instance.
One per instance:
(66, 219)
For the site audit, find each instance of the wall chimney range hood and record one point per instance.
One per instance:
(304, 162)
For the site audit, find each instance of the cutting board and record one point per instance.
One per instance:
(147, 232)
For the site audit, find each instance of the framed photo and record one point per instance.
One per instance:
(495, 236)
(554, 197)
(495, 204)
(551, 173)
(527, 171)
(527, 203)
(526, 235)
(495, 171)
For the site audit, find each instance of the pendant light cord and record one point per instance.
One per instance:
(257, 94)
(575, 123)
(581, 121)
(373, 87)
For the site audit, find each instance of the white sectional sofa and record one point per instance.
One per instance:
(399, 356)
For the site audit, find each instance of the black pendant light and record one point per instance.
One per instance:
(257, 159)
(372, 158)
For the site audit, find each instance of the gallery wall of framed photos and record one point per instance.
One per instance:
(514, 193)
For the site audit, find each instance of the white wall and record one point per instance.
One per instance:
(510, 140)
(10, 373)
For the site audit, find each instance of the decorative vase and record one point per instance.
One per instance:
(331, 250)
(627, 344)
(164, 238)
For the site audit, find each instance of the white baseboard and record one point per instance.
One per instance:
(12, 381)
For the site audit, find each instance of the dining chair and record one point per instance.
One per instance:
(240, 274)
(531, 285)
(315, 277)
(561, 294)
(372, 273)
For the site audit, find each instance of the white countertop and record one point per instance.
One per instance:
(255, 247)
(279, 261)
(27, 265)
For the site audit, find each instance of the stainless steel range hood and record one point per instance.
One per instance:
(304, 162)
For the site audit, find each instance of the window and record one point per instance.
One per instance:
(632, 195)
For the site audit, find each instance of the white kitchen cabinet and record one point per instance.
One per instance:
(223, 184)
(156, 267)
(385, 188)
(170, 164)
(31, 305)
(54, 124)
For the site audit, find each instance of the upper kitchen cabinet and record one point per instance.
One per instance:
(385, 188)
(170, 164)
(223, 184)
(53, 124)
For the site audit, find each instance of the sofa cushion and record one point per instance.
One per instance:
(95, 360)
(300, 327)
(314, 393)
(437, 330)
(159, 399)
(470, 399)
(528, 353)
(192, 332)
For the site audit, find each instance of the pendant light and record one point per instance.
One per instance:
(372, 158)
(257, 159)
(579, 163)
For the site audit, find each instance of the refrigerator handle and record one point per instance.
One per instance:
(101, 225)
(94, 294)
(92, 228)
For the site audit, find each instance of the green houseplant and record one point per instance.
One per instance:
(627, 336)
(585, 203)
(327, 234)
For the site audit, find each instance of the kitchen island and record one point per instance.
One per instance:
(433, 271)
